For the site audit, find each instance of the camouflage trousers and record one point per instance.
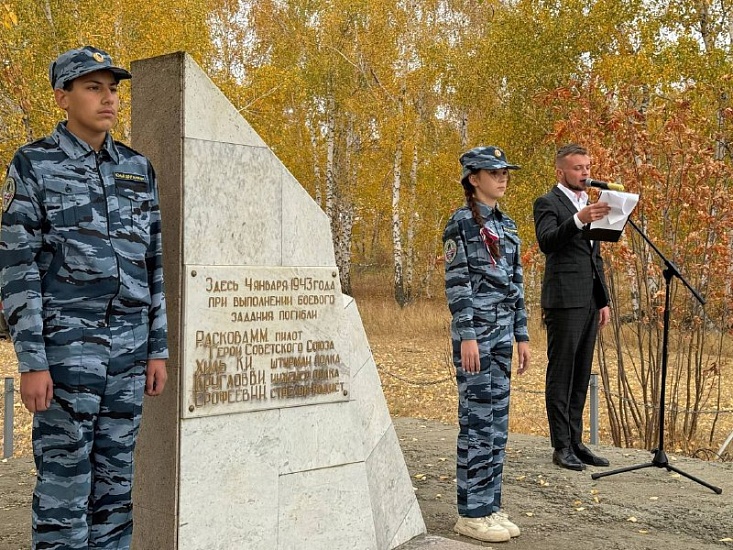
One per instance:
(83, 444)
(483, 418)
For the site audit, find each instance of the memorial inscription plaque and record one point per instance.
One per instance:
(262, 338)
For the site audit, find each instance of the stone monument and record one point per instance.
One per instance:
(273, 432)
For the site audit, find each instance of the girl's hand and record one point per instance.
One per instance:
(470, 359)
(522, 357)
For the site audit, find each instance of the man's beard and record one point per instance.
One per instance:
(573, 187)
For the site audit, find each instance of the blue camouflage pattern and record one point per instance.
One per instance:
(486, 300)
(484, 158)
(83, 443)
(81, 241)
(83, 293)
(80, 61)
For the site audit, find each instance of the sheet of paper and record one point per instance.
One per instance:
(622, 204)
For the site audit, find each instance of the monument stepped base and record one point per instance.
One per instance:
(431, 542)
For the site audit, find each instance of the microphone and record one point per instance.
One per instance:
(603, 185)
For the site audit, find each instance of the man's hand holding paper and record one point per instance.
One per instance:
(615, 207)
(622, 204)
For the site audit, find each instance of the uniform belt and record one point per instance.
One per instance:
(92, 319)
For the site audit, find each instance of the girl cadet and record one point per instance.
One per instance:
(483, 284)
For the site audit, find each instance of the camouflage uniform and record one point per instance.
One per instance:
(82, 287)
(486, 298)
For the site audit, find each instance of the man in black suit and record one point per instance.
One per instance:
(574, 302)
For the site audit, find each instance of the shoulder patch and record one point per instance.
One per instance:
(449, 249)
(8, 193)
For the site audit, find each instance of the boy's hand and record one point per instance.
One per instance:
(36, 390)
(155, 377)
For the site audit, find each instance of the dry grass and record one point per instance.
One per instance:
(411, 347)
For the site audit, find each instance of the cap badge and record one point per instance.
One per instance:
(497, 153)
(98, 57)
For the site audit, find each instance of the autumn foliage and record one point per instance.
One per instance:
(676, 160)
(369, 103)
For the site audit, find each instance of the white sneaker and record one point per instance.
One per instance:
(484, 529)
(502, 519)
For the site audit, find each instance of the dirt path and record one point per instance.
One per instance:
(556, 509)
(564, 510)
(17, 477)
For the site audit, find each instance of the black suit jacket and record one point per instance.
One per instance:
(573, 267)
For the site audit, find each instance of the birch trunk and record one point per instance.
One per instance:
(345, 210)
(399, 285)
(463, 131)
(316, 166)
(411, 224)
(330, 155)
(343, 246)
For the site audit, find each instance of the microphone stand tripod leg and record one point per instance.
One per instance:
(599, 475)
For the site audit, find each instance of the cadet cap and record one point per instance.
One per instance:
(80, 61)
(487, 158)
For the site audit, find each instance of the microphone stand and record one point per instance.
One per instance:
(660, 457)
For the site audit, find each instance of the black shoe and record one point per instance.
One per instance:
(586, 456)
(566, 459)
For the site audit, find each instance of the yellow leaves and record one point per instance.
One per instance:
(9, 18)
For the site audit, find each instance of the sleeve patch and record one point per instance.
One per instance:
(449, 249)
(8, 193)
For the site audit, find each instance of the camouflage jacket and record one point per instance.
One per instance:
(479, 288)
(80, 243)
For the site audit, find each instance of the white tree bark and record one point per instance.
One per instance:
(330, 150)
(397, 223)
(316, 166)
(412, 222)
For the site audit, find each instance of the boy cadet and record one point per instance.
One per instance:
(82, 287)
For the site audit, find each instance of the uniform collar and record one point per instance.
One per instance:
(76, 148)
(485, 210)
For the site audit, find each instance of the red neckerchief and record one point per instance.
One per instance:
(489, 237)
